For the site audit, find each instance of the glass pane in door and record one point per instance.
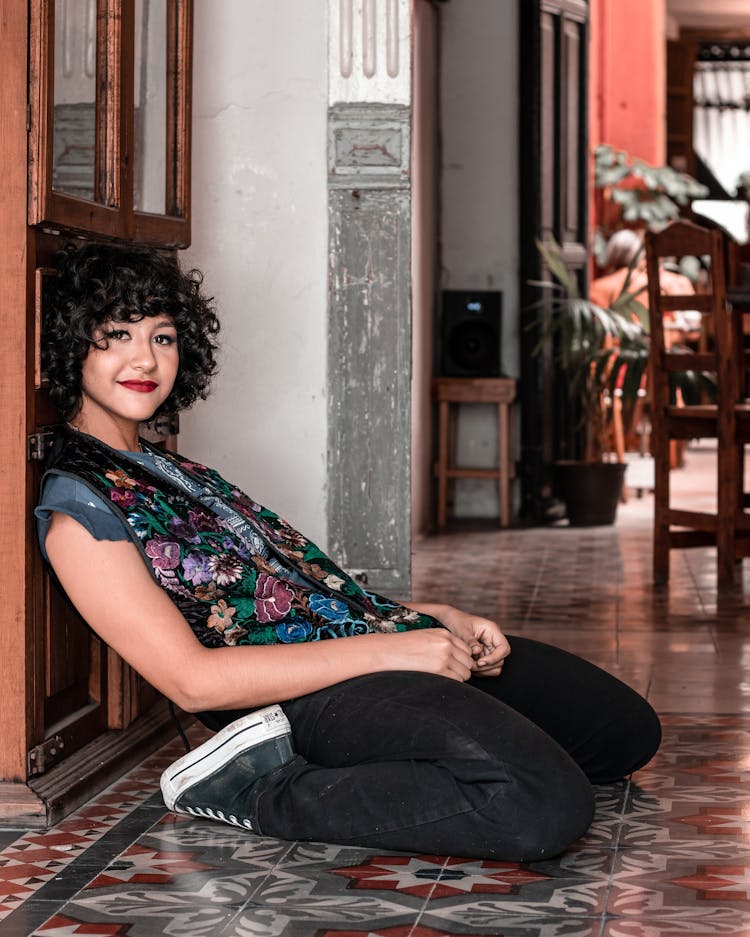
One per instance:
(150, 99)
(74, 138)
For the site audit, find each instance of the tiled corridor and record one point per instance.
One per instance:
(669, 851)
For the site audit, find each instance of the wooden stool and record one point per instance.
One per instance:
(457, 390)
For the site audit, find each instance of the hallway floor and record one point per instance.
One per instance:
(668, 853)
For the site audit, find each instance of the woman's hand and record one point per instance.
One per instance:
(488, 645)
(430, 650)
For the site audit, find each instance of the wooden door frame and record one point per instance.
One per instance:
(16, 663)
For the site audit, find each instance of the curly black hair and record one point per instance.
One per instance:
(100, 283)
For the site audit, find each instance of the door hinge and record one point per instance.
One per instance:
(43, 755)
(38, 445)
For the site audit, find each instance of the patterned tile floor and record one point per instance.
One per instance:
(667, 855)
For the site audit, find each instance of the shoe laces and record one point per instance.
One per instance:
(207, 813)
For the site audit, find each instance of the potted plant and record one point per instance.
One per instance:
(630, 191)
(602, 354)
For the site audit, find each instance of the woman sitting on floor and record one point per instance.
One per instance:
(341, 715)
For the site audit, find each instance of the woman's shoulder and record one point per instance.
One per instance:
(62, 489)
(66, 495)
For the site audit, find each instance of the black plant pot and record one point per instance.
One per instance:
(591, 491)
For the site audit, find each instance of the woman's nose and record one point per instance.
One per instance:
(143, 354)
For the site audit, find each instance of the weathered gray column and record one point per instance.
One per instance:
(369, 344)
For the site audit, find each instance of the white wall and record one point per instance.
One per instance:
(260, 234)
(479, 78)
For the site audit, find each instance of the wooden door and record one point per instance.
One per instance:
(70, 662)
(554, 204)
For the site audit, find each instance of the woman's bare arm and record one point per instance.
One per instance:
(109, 584)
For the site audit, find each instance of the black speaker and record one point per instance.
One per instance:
(470, 331)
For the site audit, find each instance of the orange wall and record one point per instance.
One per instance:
(627, 82)
(628, 77)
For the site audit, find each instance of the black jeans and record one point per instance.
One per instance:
(499, 767)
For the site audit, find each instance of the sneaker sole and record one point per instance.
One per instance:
(238, 736)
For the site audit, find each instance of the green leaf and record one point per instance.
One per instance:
(552, 256)
(575, 331)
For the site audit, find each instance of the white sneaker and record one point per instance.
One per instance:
(213, 780)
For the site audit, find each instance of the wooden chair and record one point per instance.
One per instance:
(727, 420)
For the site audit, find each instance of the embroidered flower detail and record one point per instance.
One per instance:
(229, 544)
(193, 466)
(225, 569)
(184, 530)
(343, 629)
(233, 634)
(380, 624)
(290, 632)
(266, 529)
(122, 496)
(164, 553)
(322, 575)
(208, 593)
(293, 536)
(169, 580)
(204, 520)
(196, 569)
(221, 616)
(121, 479)
(139, 523)
(329, 608)
(273, 599)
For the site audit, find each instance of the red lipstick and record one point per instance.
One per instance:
(141, 387)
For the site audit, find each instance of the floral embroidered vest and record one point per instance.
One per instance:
(227, 594)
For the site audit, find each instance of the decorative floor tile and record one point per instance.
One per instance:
(438, 877)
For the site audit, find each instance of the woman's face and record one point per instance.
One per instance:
(128, 374)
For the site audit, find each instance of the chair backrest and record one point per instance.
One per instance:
(720, 355)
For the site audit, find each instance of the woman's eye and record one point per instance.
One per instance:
(116, 334)
(165, 339)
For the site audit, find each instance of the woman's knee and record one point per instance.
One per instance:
(607, 727)
(633, 738)
(545, 820)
